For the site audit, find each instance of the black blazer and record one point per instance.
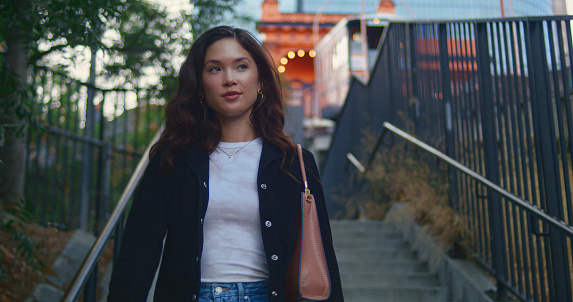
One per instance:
(176, 203)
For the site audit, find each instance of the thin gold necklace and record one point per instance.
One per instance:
(231, 155)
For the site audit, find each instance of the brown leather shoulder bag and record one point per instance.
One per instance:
(307, 276)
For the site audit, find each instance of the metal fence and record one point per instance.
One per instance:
(494, 95)
(84, 152)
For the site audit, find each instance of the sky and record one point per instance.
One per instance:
(176, 5)
(173, 6)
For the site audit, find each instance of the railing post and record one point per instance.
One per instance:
(87, 164)
(90, 290)
(390, 112)
(545, 138)
(103, 187)
(118, 236)
(411, 28)
(447, 108)
(490, 147)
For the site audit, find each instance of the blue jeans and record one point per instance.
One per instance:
(234, 292)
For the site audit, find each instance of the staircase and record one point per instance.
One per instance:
(377, 264)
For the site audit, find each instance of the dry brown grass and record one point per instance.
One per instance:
(397, 176)
(22, 277)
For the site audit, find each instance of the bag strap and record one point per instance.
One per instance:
(303, 172)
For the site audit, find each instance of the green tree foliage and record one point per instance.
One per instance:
(141, 44)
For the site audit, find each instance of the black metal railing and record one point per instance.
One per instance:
(85, 149)
(495, 96)
(87, 276)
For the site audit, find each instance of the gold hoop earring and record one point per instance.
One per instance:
(260, 95)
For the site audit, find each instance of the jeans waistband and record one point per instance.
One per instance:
(233, 289)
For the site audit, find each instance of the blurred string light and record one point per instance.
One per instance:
(281, 69)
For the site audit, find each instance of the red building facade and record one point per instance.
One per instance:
(289, 38)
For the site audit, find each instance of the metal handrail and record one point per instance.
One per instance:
(356, 162)
(89, 262)
(520, 202)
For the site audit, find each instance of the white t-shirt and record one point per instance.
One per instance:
(233, 245)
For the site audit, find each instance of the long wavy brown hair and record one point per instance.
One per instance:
(189, 120)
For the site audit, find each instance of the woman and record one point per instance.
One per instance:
(222, 186)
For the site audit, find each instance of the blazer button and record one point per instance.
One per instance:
(205, 184)
(274, 293)
(268, 223)
(201, 221)
(275, 257)
(263, 186)
(194, 297)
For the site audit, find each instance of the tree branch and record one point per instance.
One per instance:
(139, 33)
(40, 54)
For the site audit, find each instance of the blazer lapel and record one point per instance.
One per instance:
(270, 153)
(198, 161)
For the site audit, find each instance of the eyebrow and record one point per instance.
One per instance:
(234, 61)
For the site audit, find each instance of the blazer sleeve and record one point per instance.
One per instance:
(315, 186)
(142, 242)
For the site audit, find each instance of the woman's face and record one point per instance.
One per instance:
(230, 80)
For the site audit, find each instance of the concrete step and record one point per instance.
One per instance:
(378, 242)
(389, 280)
(377, 264)
(358, 225)
(367, 234)
(396, 294)
(384, 266)
(375, 254)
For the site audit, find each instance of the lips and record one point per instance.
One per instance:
(231, 93)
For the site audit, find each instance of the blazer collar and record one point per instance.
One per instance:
(197, 160)
(270, 153)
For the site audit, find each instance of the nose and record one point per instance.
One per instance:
(229, 79)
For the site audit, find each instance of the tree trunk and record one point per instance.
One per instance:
(13, 151)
